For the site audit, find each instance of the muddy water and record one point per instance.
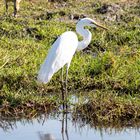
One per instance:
(50, 128)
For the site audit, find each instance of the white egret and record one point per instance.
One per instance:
(64, 48)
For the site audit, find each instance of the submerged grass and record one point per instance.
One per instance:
(111, 62)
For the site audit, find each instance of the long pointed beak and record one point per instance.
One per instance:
(99, 25)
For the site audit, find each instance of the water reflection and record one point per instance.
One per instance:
(7, 124)
(64, 130)
(64, 126)
(61, 127)
(48, 136)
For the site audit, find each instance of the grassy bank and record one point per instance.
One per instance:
(106, 108)
(111, 62)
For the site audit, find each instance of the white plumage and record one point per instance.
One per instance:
(64, 48)
(60, 54)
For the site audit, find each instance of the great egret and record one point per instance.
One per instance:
(64, 48)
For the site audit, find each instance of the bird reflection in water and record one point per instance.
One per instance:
(48, 136)
(64, 129)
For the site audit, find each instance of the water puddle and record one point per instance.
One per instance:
(50, 128)
(62, 126)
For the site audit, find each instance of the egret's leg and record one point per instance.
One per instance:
(66, 123)
(62, 89)
(63, 99)
(62, 129)
(66, 85)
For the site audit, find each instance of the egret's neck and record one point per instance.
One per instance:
(86, 34)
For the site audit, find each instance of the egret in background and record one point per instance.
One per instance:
(63, 50)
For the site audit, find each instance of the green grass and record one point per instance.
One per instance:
(106, 108)
(110, 63)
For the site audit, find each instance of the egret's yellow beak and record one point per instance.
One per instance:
(99, 25)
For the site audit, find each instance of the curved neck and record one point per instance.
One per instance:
(86, 34)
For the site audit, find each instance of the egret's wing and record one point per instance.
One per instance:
(61, 53)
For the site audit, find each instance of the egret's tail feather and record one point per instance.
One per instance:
(43, 78)
(44, 75)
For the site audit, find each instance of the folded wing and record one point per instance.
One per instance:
(60, 54)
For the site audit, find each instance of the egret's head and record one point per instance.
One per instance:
(90, 22)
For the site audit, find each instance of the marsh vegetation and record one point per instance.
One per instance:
(109, 68)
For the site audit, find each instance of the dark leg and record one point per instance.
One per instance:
(6, 6)
(62, 89)
(63, 100)
(66, 92)
(65, 112)
(66, 123)
(15, 8)
(62, 130)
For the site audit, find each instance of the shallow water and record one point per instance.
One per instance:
(43, 127)
(49, 127)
